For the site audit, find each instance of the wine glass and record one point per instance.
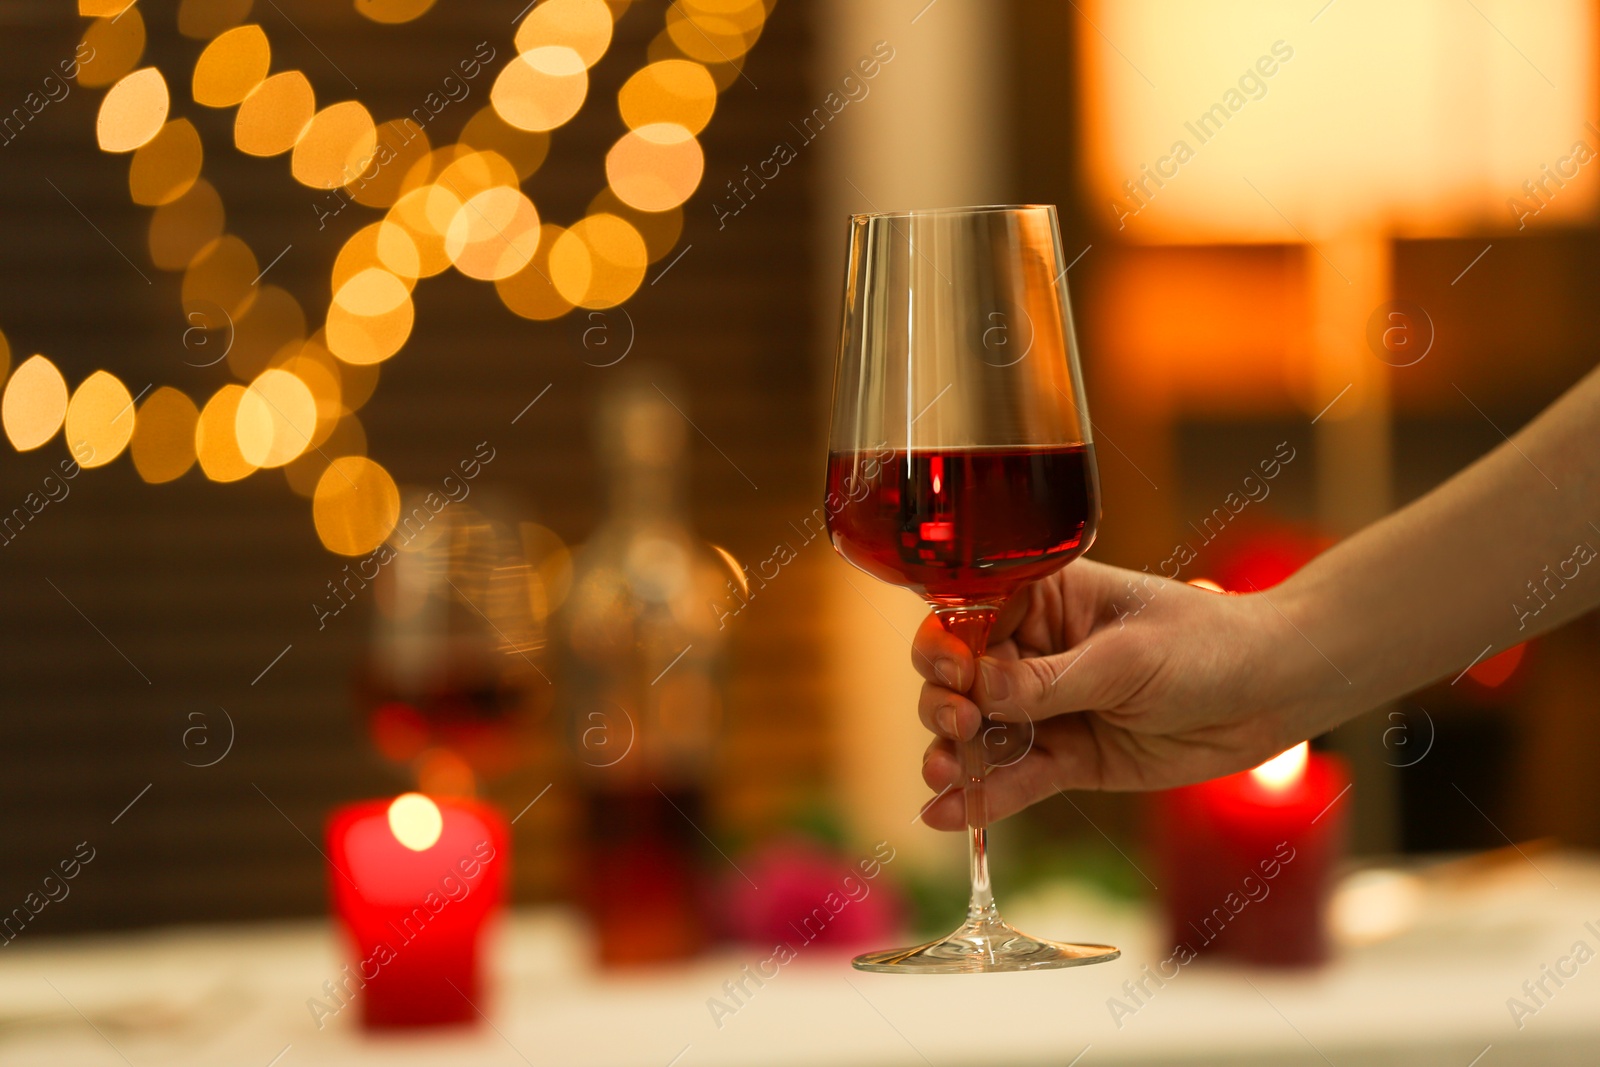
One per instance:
(960, 466)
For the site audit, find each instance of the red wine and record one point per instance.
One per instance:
(963, 525)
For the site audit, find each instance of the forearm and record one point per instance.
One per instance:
(1505, 550)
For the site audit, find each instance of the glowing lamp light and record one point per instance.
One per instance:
(1206, 583)
(415, 821)
(1284, 769)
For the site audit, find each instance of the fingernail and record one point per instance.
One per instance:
(947, 671)
(995, 684)
(946, 718)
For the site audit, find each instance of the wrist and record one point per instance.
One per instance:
(1306, 680)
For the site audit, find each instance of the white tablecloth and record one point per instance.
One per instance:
(1436, 994)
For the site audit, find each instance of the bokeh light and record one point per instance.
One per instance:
(100, 419)
(541, 89)
(112, 47)
(204, 19)
(132, 111)
(349, 438)
(715, 31)
(335, 147)
(672, 90)
(276, 419)
(34, 405)
(393, 11)
(655, 167)
(399, 145)
(231, 66)
(530, 293)
(599, 262)
(425, 214)
(384, 244)
(168, 166)
(216, 444)
(179, 230)
(163, 436)
(355, 505)
(370, 318)
(223, 275)
(581, 25)
(494, 234)
(415, 820)
(274, 323)
(103, 8)
(525, 150)
(272, 117)
(660, 229)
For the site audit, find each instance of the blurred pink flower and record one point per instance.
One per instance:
(811, 895)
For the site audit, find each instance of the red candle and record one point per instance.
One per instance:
(1247, 860)
(414, 882)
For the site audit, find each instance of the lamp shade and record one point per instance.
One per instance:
(1235, 121)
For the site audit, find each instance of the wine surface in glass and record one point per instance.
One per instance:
(963, 526)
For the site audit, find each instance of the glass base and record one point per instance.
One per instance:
(984, 946)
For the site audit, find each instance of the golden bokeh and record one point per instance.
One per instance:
(494, 234)
(34, 405)
(370, 318)
(672, 90)
(335, 147)
(103, 8)
(393, 11)
(486, 131)
(348, 438)
(716, 32)
(276, 420)
(204, 19)
(723, 72)
(425, 214)
(471, 174)
(274, 323)
(132, 111)
(530, 292)
(581, 25)
(323, 381)
(216, 444)
(599, 262)
(163, 436)
(168, 166)
(272, 117)
(231, 66)
(655, 167)
(400, 144)
(660, 229)
(222, 275)
(541, 89)
(179, 230)
(355, 505)
(382, 244)
(114, 48)
(357, 382)
(100, 419)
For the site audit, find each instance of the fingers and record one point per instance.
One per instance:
(1087, 677)
(1008, 789)
(940, 657)
(947, 714)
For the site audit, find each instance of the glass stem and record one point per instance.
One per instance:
(971, 625)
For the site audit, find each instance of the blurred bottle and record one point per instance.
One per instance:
(641, 691)
(454, 669)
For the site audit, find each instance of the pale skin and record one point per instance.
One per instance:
(1131, 681)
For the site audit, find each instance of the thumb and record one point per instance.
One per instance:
(1084, 678)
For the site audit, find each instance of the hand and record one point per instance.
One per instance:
(1115, 680)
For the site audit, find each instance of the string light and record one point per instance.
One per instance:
(458, 205)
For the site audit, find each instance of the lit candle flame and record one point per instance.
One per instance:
(1284, 769)
(415, 821)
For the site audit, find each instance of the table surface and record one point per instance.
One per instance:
(1434, 994)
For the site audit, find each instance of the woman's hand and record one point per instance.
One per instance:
(1110, 679)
